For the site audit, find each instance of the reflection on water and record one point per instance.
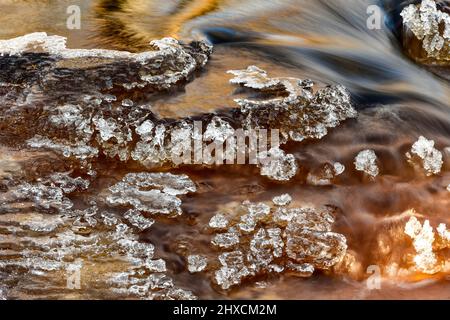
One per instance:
(327, 41)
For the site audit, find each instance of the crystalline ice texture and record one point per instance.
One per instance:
(309, 243)
(423, 238)
(226, 240)
(134, 190)
(232, 270)
(325, 174)
(218, 221)
(366, 161)
(430, 158)
(137, 220)
(276, 239)
(277, 165)
(300, 115)
(425, 22)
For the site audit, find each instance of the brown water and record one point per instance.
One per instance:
(327, 41)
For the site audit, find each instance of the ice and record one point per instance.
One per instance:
(423, 238)
(226, 240)
(218, 221)
(232, 271)
(301, 270)
(310, 243)
(44, 195)
(218, 130)
(301, 114)
(137, 220)
(80, 151)
(127, 103)
(325, 174)
(158, 265)
(423, 153)
(425, 21)
(67, 183)
(196, 263)
(145, 129)
(277, 165)
(282, 200)
(444, 234)
(119, 263)
(275, 239)
(151, 192)
(366, 161)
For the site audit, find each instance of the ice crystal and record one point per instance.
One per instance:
(218, 221)
(277, 165)
(160, 199)
(423, 153)
(276, 239)
(51, 193)
(232, 271)
(366, 161)
(196, 263)
(423, 238)
(282, 200)
(226, 240)
(425, 21)
(325, 174)
(299, 115)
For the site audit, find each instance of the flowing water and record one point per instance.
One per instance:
(397, 101)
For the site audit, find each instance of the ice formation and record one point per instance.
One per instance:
(196, 263)
(218, 221)
(325, 174)
(277, 165)
(424, 153)
(366, 161)
(426, 244)
(296, 110)
(154, 193)
(262, 238)
(430, 26)
(91, 103)
(72, 244)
